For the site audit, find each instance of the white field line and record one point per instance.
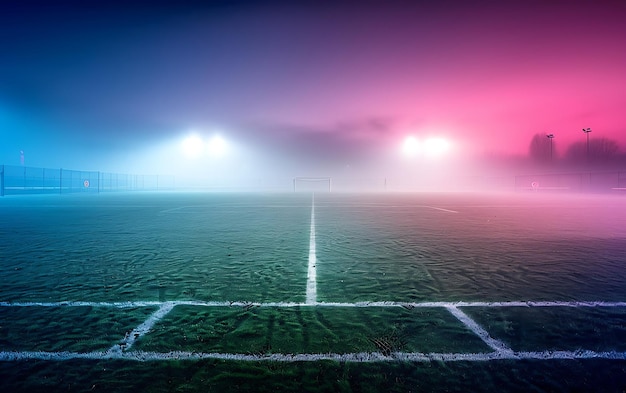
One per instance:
(496, 345)
(384, 206)
(321, 304)
(174, 209)
(501, 351)
(82, 304)
(142, 329)
(234, 207)
(360, 357)
(542, 304)
(311, 282)
(440, 209)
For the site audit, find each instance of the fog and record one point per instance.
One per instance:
(397, 97)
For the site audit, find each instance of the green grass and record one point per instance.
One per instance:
(223, 247)
(265, 330)
(555, 328)
(605, 376)
(135, 247)
(75, 329)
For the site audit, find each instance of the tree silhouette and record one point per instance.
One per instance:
(539, 148)
(600, 150)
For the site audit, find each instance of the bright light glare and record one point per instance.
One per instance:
(192, 146)
(217, 146)
(410, 146)
(431, 147)
(436, 146)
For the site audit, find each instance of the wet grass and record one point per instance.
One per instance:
(75, 329)
(555, 328)
(266, 330)
(605, 376)
(255, 248)
(152, 247)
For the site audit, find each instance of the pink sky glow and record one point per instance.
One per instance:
(312, 77)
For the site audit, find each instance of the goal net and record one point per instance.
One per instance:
(312, 184)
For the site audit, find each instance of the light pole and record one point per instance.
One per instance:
(550, 136)
(587, 131)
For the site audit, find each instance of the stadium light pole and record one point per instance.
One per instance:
(587, 131)
(550, 136)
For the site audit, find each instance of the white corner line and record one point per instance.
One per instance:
(496, 345)
(174, 209)
(440, 209)
(142, 329)
(311, 282)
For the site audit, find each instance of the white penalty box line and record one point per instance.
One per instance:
(122, 350)
(360, 357)
(145, 327)
(135, 304)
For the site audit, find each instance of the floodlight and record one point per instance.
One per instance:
(410, 146)
(217, 146)
(550, 136)
(587, 131)
(192, 146)
(436, 146)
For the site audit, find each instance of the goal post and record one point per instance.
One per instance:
(312, 184)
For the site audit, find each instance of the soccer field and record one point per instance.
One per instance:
(368, 292)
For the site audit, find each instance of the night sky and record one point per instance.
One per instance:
(303, 88)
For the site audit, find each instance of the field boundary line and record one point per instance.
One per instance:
(131, 304)
(359, 357)
(121, 350)
(84, 304)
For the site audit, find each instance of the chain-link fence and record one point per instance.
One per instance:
(577, 181)
(21, 180)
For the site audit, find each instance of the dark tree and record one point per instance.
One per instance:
(539, 149)
(600, 150)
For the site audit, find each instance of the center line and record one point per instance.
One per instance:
(311, 284)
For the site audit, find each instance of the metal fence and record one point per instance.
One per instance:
(22, 180)
(577, 181)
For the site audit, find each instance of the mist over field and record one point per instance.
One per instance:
(313, 196)
(243, 96)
